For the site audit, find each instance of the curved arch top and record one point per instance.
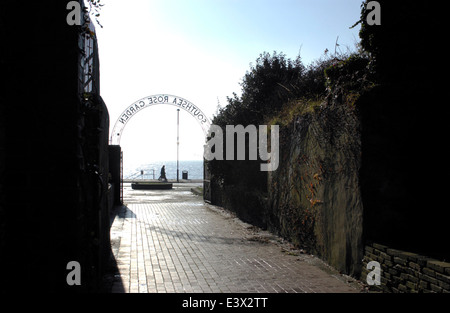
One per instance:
(146, 102)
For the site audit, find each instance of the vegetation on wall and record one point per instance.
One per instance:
(367, 110)
(276, 91)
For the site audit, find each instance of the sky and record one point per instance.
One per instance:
(200, 50)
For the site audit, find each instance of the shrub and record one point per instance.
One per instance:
(349, 75)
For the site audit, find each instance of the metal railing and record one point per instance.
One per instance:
(152, 174)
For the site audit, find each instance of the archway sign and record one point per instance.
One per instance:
(146, 102)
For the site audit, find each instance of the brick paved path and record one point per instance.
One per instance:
(185, 245)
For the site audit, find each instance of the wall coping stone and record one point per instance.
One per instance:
(438, 265)
(380, 247)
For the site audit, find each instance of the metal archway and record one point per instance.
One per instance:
(146, 102)
(116, 159)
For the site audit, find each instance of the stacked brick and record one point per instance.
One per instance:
(406, 272)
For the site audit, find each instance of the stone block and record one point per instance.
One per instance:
(386, 256)
(404, 276)
(444, 285)
(368, 249)
(423, 285)
(393, 272)
(399, 260)
(435, 288)
(429, 272)
(396, 280)
(442, 277)
(430, 279)
(394, 252)
(410, 256)
(384, 267)
(380, 247)
(412, 278)
(438, 266)
(371, 257)
(402, 288)
(410, 285)
(388, 263)
(411, 271)
(422, 260)
(414, 266)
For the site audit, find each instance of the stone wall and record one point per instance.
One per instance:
(314, 197)
(406, 272)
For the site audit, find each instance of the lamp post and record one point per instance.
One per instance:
(178, 145)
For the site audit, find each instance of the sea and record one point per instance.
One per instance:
(152, 170)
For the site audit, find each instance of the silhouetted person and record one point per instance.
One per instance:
(163, 174)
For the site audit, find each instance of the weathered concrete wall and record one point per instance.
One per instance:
(314, 197)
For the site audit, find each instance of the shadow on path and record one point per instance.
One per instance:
(111, 281)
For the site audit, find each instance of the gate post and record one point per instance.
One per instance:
(115, 169)
(207, 195)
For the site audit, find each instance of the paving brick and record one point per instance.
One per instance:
(189, 246)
